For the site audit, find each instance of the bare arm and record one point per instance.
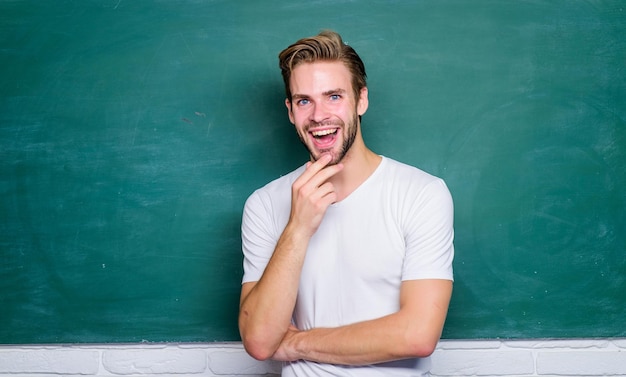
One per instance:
(266, 306)
(413, 331)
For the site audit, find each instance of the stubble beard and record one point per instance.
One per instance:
(349, 137)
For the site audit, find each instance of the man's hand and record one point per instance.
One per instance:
(266, 306)
(312, 194)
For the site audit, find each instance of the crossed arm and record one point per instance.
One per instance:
(266, 306)
(413, 331)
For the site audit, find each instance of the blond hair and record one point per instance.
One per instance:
(326, 46)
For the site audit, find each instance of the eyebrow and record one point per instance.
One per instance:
(326, 93)
(334, 91)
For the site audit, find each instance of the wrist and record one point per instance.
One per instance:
(298, 234)
(297, 344)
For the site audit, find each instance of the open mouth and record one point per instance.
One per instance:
(324, 138)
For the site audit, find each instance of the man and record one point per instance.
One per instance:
(348, 259)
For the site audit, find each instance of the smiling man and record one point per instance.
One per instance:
(325, 119)
(347, 259)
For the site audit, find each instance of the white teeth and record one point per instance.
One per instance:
(323, 132)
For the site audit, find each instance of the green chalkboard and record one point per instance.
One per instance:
(131, 133)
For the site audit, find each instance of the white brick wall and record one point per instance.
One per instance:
(489, 358)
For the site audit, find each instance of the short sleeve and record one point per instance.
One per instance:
(429, 234)
(257, 238)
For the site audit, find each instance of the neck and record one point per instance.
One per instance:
(359, 163)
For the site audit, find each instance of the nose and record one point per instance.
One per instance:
(319, 113)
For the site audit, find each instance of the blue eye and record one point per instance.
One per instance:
(303, 101)
(335, 97)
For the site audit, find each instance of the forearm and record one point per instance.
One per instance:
(376, 341)
(266, 306)
(413, 331)
(266, 309)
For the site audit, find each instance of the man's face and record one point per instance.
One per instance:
(323, 108)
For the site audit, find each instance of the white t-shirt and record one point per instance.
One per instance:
(398, 225)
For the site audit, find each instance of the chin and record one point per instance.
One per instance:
(337, 157)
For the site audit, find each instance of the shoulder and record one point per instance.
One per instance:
(404, 174)
(413, 187)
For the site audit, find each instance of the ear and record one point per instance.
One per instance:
(363, 103)
(288, 104)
